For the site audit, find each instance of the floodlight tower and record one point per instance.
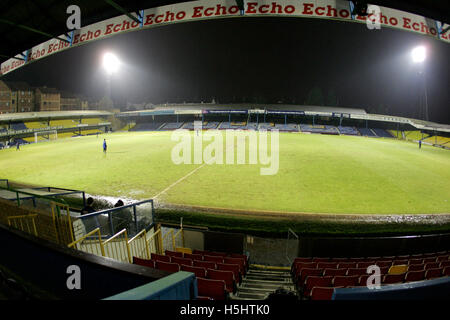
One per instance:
(111, 65)
(418, 56)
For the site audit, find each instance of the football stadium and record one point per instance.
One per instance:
(220, 201)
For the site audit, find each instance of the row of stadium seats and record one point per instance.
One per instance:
(290, 127)
(317, 277)
(442, 141)
(218, 274)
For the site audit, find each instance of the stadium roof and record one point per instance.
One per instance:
(33, 116)
(26, 23)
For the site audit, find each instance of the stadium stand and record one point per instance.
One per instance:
(266, 126)
(211, 125)
(290, 127)
(171, 126)
(63, 123)
(323, 129)
(219, 277)
(147, 126)
(316, 280)
(382, 133)
(414, 135)
(18, 126)
(366, 132)
(437, 140)
(351, 131)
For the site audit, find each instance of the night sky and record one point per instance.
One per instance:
(259, 60)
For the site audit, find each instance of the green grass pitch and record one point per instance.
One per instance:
(317, 174)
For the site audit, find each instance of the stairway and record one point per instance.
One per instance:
(260, 282)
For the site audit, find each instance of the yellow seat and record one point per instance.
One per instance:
(183, 250)
(399, 269)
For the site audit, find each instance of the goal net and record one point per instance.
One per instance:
(45, 136)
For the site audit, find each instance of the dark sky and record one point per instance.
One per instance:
(258, 60)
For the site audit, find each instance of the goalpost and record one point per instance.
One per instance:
(45, 136)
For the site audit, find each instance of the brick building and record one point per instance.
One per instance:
(16, 97)
(47, 99)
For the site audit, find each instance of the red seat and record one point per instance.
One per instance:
(302, 265)
(211, 288)
(415, 276)
(204, 264)
(227, 276)
(322, 293)
(233, 268)
(356, 271)
(365, 265)
(346, 265)
(442, 258)
(216, 254)
(200, 252)
(400, 262)
(327, 265)
(167, 266)
(160, 257)
(178, 260)
(433, 273)
(445, 264)
(241, 256)
(362, 280)
(239, 261)
(301, 259)
(335, 272)
(384, 263)
(345, 281)
(446, 271)
(199, 272)
(416, 267)
(415, 261)
(429, 260)
(216, 259)
(321, 259)
(193, 256)
(393, 278)
(306, 272)
(314, 281)
(174, 254)
(144, 262)
(432, 265)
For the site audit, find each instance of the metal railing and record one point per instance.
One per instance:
(139, 246)
(25, 223)
(118, 248)
(89, 244)
(133, 217)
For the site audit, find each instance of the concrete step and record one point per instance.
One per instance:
(265, 286)
(252, 295)
(269, 272)
(267, 278)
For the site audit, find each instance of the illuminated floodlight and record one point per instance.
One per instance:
(111, 63)
(418, 54)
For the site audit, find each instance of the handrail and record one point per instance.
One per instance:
(137, 236)
(33, 195)
(97, 230)
(152, 236)
(106, 211)
(123, 231)
(32, 216)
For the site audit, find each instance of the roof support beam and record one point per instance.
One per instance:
(8, 57)
(21, 26)
(122, 10)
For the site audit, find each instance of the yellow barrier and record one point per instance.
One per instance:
(117, 247)
(139, 246)
(62, 225)
(88, 245)
(22, 223)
